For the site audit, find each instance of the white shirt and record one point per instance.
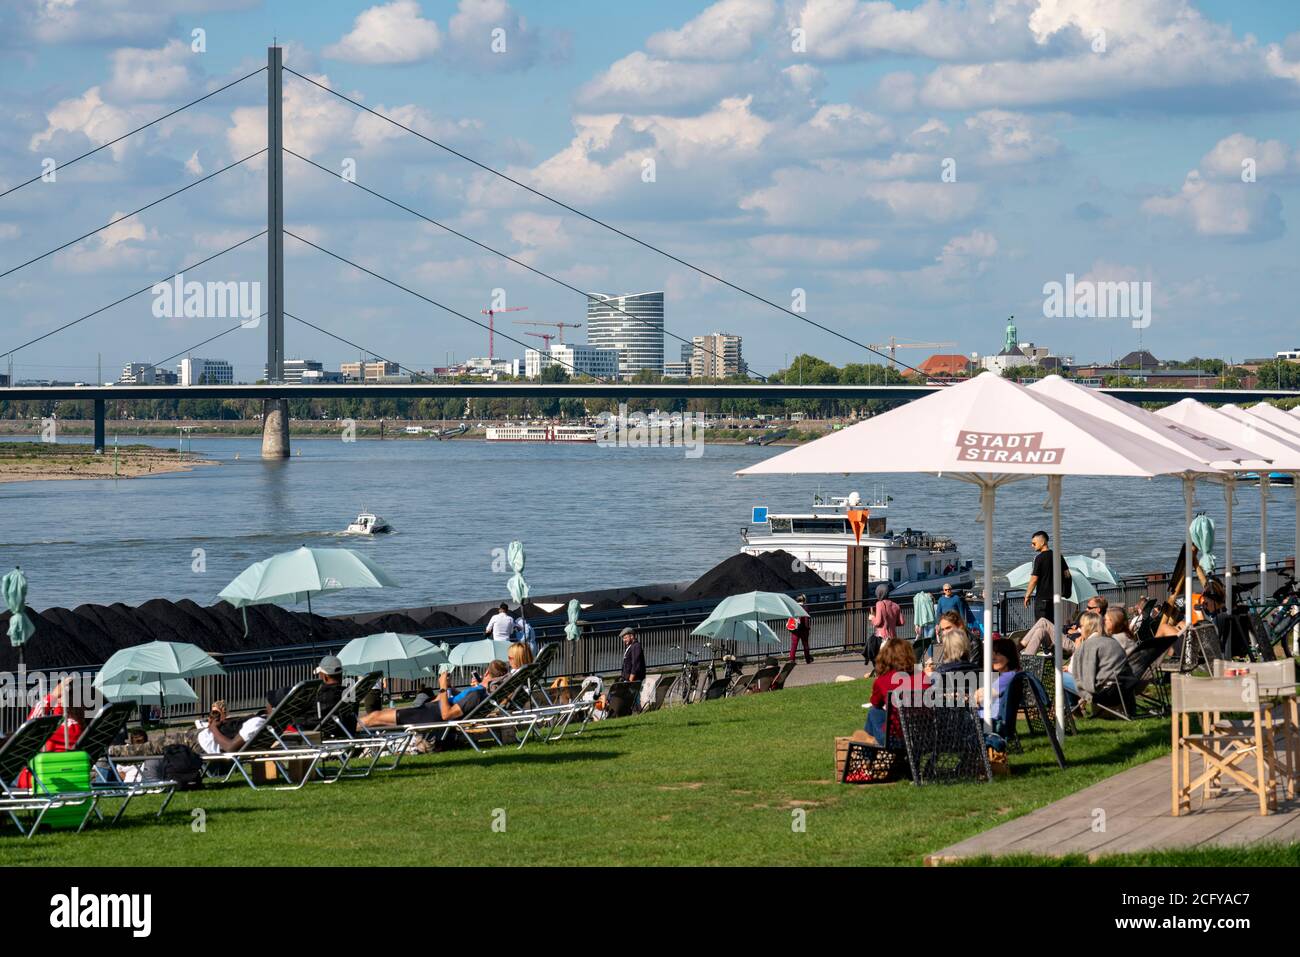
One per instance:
(501, 625)
(248, 730)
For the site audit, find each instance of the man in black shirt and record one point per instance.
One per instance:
(1040, 590)
(330, 672)
(633, 657)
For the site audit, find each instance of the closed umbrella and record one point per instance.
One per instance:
(922, 610)
(517, 587)
(571, 627)
(301, 573)
(1202, 532)
(398, 656)
(21, 629)
(990, 432)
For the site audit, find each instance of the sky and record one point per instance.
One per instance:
(920, 170)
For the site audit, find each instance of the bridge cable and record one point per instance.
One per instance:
(433, 302)
(119, 139)
(143, 289)
(356, 345)
(199, 345)
(496, 252)
(592, 219)
(126, 216)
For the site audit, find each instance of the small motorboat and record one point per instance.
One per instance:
(367, 523)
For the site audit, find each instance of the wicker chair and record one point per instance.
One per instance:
(945, 744)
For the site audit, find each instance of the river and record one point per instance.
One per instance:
(589, 517)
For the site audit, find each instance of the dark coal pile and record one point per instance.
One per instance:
(745, 573)
(603, 604)
(441, 619)
(393, 621)
(530, 611)
(792, 570)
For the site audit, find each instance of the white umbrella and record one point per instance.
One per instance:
(1208, 448)
(1269, 450)
(1287, 424)
(987, 431)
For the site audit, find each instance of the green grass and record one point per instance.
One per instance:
(715, 783)
(1257, 855)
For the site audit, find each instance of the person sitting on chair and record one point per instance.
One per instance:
(1115, 621)
(443, 707)
(1098, 660)
(1006, 664)
(895, 671)
(214, 738)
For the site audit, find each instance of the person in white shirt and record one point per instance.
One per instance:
(213, 741)
(501, 626)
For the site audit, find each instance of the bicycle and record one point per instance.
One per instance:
(732, 671)
(688, 678)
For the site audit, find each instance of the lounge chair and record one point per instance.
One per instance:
(760, 680)
(15, 752)
(335, 734)
(103, 729)
(507, 706)
(1026, 693)
(779, 681)
(1139, 692)
(662, 686)
(276, 745)
(945, 744)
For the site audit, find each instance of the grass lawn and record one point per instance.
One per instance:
(714, 783)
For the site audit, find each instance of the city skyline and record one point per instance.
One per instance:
(890, 171)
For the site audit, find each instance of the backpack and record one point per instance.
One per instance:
(182, 765)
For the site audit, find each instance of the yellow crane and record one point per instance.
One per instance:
(893, 345)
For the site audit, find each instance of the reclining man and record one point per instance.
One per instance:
(220, 736)
(443, 707)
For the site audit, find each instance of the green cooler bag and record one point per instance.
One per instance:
(63, 772)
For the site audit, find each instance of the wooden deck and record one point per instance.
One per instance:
(1130, 812)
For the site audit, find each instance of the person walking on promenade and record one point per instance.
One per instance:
(1040, 588)
(800, 630)
(886, 619)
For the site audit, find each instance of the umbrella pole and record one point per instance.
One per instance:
(311, 635)
(1229, 499)
(1054, 483)
(1263, 536)
(1189, 495)
(988, 497)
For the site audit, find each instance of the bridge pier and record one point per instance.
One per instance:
(275, 428)
(99, 425)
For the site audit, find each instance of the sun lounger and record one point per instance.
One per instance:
(15, 753)
(779, 681)
(95, 740)
(276, 745)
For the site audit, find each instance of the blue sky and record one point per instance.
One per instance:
(1103, 138)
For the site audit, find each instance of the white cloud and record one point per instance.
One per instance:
(91, 116)
(193, 165)
(489, 35)
(1009, 138)
(391, 33)
(639, 83)
(537, 232)
(726, 30)
(791, 247)
(155, 75)
(1271, 157)
(1242, 211)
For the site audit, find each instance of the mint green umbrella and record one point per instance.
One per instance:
(1084, 570)
(517, 587)
(739, 616)
(481, 652)
(144, 689)
(301, 573)
(162, 659)
(571, 628)
(398, 656)
(21, 629)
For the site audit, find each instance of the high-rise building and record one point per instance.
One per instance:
(716, 356)
(633, 325)
(575, 359)
(205, 372)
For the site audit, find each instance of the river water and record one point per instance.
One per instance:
(589, 517)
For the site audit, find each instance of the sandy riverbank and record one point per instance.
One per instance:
(29, 462)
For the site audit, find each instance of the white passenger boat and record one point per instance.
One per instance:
(909, 560)
(367, 523)
(540, 432)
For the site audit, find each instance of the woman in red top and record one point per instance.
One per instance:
(66, 734)
(895, 671)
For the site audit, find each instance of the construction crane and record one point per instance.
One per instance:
(491, 314)
(893, 345)
(554, 325)
(546, 338)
